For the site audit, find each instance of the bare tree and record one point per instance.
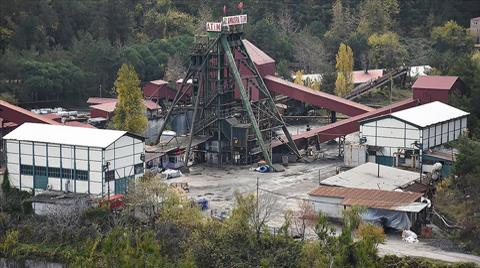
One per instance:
(205, 14)
(309, 52)
(257, 209)
(65, 217)
(305, 217)
(286, 24)
(145, 197)
(175, 68)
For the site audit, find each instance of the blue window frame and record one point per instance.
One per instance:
(26, 169)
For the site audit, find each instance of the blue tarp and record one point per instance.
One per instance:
(388, 218)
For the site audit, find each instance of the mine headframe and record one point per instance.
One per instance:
(222, 80)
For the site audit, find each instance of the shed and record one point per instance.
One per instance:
(73, 159)
(58, 203)
(436, 88)
(410, 131)
(393, 209)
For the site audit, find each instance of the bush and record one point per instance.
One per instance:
(6, 182)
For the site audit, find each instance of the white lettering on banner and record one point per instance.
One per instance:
(214, 26)
(235, 20)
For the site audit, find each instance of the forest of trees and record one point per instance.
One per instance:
(69, 50)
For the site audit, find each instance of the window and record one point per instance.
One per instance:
(110, 175)
(82, 175)
(54, 172)
(138, 169)
(26, 169)
(40, 171)
(67, 173)
(172, 159)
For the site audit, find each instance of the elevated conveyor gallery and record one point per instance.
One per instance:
(314, 97)
(346, 126)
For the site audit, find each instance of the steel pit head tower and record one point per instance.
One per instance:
(223, 77)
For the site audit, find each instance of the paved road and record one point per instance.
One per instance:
(395, 246)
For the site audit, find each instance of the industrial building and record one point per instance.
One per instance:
(436, 88)
(401, 137)
(73, 159)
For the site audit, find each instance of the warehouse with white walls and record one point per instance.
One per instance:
(404, 135)
(73, 159)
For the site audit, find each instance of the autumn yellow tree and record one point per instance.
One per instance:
(344, 67)
(298, 77)
(129, 113)
(311, 83)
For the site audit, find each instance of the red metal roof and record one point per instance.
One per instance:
(52, 116)
(151, 105)
(360, 77)
(110, 106)
(97, 100)
(19, 115)
(435, 82)
(368, 197)
(258, 56)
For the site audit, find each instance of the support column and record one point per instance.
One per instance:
(245, 100)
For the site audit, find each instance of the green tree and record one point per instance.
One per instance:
(5, 36)
(377, 16)
(6, 182)
(344, 67)
(167, 24)
(342, 25)
(452, 45)
(129, 114)
(386, 50)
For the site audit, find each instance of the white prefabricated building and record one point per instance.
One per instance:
(417, 128)
(73, 159)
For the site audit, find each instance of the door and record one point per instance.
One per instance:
(40, 182)
(121, 185)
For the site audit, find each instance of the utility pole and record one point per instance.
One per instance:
(257, 213)
(257, 193)
(391, 89)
